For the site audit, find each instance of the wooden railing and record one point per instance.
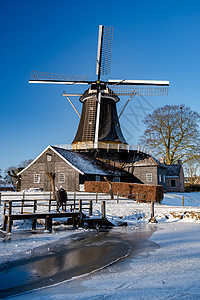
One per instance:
(107, 146)
(75, 207)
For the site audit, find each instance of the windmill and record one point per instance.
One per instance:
(99, 122)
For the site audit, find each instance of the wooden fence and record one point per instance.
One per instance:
(78, 207)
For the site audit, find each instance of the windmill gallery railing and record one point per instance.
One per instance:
(106, 146)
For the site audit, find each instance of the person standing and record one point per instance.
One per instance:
(63, 198)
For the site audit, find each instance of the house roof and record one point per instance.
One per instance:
(80, 162)
(148, 162)
(77, 161)
(173, 170)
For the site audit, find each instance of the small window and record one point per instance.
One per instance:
(98, 178)
(116, 179)
(149, 177)
(36, 178)
(164, 178)
(61, 177)
(160, 178)
(173, 183)
(48, 157)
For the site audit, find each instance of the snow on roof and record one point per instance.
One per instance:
(80, 162)
(151, 161)
(77, 161)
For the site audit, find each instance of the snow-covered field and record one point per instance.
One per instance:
(167, 268)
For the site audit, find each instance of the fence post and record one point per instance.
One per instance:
(117, 197)
(183, 200)
(0, 198)
(96, 197)
(74, 200)
(103, 209)
(50, 202)
(136, 197)
(35, 206)
(90, 209)
(152, 219)
(5, 217)
(48, 223)
(34, 224)
(23, 198)
(9, 216)
(80, 205)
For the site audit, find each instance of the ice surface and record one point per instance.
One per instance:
(170, 271)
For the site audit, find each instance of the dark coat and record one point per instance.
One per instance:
(62, 196)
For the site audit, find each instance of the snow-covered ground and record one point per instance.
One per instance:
(167, 268)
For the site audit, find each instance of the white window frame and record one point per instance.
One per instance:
(36, 178)
(48, 157)
(149, 177)
(61, 177)
(160, 178)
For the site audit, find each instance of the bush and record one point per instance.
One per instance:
(139, 192)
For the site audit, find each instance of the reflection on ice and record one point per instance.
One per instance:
(63, 261)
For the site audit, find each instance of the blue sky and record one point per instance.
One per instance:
(152, 40)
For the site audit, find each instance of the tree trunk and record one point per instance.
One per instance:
(52, 177)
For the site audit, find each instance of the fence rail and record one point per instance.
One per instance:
(73, 197)
(20, 206)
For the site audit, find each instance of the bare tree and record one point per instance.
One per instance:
(172, 132)
(24, 163)
(52, 176)
(7, 177)
(16, 179)
(1, 177)
(191, 168)
(110, 186)
(11, 173)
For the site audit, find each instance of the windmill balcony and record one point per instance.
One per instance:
(106, 146)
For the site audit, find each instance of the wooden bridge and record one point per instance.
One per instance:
(76, 211)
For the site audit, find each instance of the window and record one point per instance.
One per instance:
(149, 177)
(160, 178)
(98, 178)
(116, 179)
(36, 178)
(173, 183)
(61, 177)
(48, 157)
(164, 178)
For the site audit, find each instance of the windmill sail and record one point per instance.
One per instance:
(142, 87)
(44, 77)
(104, 50)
